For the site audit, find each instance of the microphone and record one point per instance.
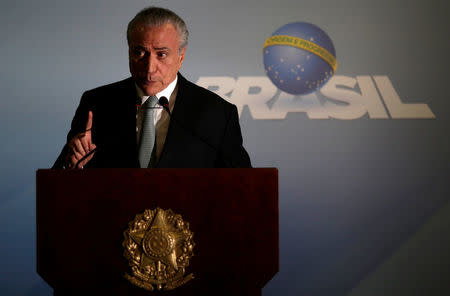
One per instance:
(164, 102)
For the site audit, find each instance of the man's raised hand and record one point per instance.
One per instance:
(80, 145)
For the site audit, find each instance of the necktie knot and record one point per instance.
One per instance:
(150, 102)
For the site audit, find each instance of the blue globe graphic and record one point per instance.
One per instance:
(296, 70)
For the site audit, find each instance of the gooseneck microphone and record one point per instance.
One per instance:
(164, 102)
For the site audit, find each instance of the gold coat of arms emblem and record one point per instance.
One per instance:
(158, 246)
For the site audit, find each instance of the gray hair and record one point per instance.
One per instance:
(157, 17)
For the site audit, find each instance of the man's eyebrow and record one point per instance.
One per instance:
(161, 48)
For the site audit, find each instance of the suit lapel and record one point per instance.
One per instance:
(173, 145)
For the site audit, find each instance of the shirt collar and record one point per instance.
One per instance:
(167, 92)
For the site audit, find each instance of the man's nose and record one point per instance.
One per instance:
(150, 63)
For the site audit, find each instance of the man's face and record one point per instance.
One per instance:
(154, 57)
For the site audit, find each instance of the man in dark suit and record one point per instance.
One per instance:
(110, 124)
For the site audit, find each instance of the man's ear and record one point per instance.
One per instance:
(181, 58)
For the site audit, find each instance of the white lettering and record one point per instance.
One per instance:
(221, 85)
(343, 99)
(352, 107)
(356, 104)
(308, 103)
(256, 101)
(396, 108)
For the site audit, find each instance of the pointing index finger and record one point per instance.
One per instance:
(89, 121)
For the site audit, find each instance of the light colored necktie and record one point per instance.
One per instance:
(148, 136)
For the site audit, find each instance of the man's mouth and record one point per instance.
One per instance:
(147, 82)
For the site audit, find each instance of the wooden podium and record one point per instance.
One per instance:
(82, 215)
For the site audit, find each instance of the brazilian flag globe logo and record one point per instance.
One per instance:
(299, 58)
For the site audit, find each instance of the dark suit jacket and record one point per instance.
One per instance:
(204, 130)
